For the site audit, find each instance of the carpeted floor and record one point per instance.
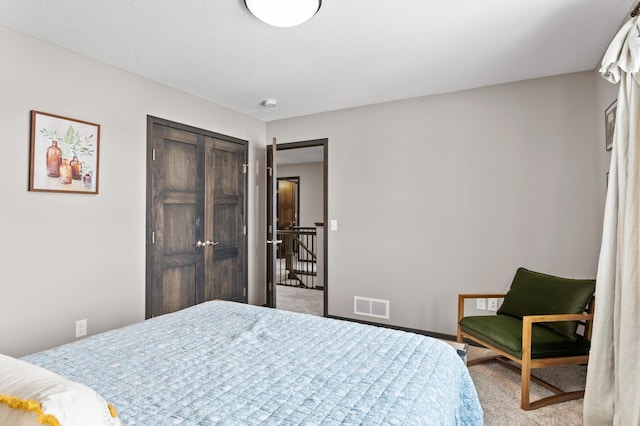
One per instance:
(499, 393)
(297, 299)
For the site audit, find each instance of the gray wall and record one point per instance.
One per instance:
(449, 194)
(434, 196)
(65, 256)
(311, 192)
(606, 93)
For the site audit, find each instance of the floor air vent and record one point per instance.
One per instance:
(371, 307)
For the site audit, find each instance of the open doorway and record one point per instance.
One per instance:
(299, 267)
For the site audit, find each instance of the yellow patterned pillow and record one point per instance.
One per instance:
(32, 395)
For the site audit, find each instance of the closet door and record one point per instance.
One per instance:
(175, 272)
(196, 202)
(225, 220)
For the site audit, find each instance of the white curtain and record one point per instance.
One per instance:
(613, 376)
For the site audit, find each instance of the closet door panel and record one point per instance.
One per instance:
(175, 266)
(224, 212)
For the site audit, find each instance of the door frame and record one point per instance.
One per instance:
(324, 143)
(151, 121)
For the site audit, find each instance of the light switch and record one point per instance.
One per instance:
(334, 225)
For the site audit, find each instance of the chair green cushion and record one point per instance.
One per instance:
(505, 333)
(534, 293)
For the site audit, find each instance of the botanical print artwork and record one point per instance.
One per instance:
(64, 154)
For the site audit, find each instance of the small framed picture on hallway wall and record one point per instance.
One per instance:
(609, 125)
(64, 154)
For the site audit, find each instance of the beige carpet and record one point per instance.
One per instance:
(297, 299)
(499, 393)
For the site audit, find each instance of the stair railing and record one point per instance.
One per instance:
(299, 249)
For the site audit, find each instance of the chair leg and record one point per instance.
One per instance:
(525, 377)
(525, 384)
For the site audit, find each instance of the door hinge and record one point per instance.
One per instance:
(244, 292)
(153, 154)
(270, 171)
(153, 237)
(270, 289)
(244, 168)
(270, 228)
(244, 230)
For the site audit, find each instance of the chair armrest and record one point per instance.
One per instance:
(529, 320)
(481, 295)
(555, 317)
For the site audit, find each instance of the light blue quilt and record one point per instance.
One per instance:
(225, 363)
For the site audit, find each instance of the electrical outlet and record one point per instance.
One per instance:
(492, 304)
(481, 304)
(81, 328)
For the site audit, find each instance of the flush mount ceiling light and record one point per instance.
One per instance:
(283, 13)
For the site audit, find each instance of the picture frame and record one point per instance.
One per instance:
(610, 124)
(64, 154)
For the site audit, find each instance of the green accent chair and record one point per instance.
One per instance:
(536, 327)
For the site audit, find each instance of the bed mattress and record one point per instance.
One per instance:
(234, 364)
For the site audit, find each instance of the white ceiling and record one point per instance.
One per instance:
(352, 53)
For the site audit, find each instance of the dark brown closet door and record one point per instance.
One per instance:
(224, 220)
(177, 214)
(196, 233)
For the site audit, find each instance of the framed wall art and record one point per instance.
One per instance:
(64, 154)
(609, 125)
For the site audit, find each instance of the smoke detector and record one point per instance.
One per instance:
(270, 103)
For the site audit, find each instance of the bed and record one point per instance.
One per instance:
(234, 364)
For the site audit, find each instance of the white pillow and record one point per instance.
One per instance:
(32, 395)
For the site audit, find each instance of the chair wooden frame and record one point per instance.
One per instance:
(526, 364)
